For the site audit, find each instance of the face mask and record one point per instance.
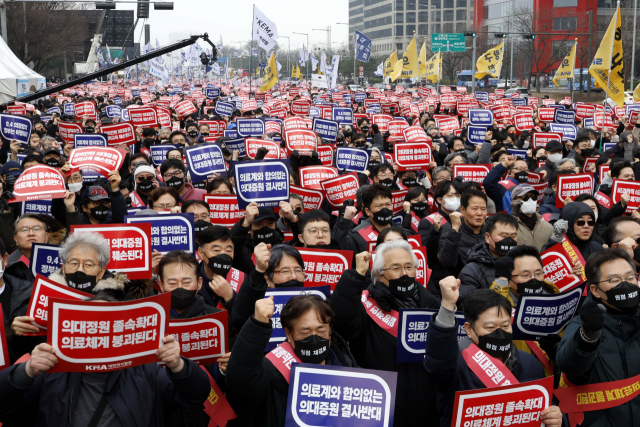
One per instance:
(290, 284)
(81, 281)
(403, 285)
(365, 129)
(555, 158)
(387, 182)
(525, 144)
(201, 225)
(593, 142)
(220, 264)
(226, 152)
(99, 212)
(373, 164)
(409, 182)
(321, 246)
(496, 344)
(175, 182)
(586, 152)
(267, 235)
(193, 134)
(451, 204)
(505, 245)
(533, 286)
(522, 176)
(127, 202)
(528, 207)
(145, 185)
(624, 297)
(205, 134)
(542, 158)
(181, 299)
(10, 181)
(89, 129)
(383, 216)
(74, 187)
(54, 163)
(313, 349)
(420, 209)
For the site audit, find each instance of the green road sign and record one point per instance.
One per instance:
(446, 42)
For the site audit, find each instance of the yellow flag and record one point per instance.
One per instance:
(565, 71)
(490, 62)
(293, 70)
(298, 72)
(422, 59)
(433, 68)
(636, 93)
(408, 66)
(607, 57)
(258, 71)
(271, 74)
(389, 63)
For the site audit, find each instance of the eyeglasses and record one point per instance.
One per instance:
(386, 176)
(538, 274)
(314, 231)
(582, 222)
(637, 241)
(74, 265)
(135, 165)
(167, 206)
(615, 281)
(75, 178)
(396, 269)
(169, 175)
(175, 157)
(526, 169)
(526, 197)
(35, 229)
(287, 271)
(202, 217)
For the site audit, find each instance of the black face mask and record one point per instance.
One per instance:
(586, 152)
(542, 158)
(322, 246)
(89, 129)
(193, 134)
(383, 217)
(420, 209)
(127, 202)
(145, 185)
(99, 212)
(522, 177)
(365, 129)
(402, 286)
(290, 284)
(505, 245)
(373, 164)
(220, 264)
(9, 182)
(204, 133)
(387, 182)
(496, 344)
(624, 297)
(409, 182)
(201, 225)
(175, 182)
(313, 349)
(226, 152)
(181, 299)
(267, 235)
(54, 163)
(533, 286)
(81, 281)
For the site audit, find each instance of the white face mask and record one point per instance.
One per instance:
(451, 203)
(526, 144)
(528, 207)
(74, 187)
(555, 158)
(593, 142)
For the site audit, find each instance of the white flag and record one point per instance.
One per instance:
(323, 63)
(219, 44)
(314, 62)
(380, 71)
(279, 66)
(334, 74)
(264, 31)
(301, 59)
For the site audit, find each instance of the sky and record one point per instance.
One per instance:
(232, 19)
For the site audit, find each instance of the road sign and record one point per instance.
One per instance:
(361, 68)
(361, 73)
(446, 42)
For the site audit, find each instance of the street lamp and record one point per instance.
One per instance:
(328, 29)
(354, 52)
(305, 62)
(288, 50)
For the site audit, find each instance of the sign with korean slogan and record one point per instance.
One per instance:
(130, 247)
(184, 108)
(265, 182)
(92, 336)
(352, 159)
(223, 209)
(632, 188)
(224, 108)
(479, 117)
(212, 93)
(159, 152)
(39, 183)
(98, 159)
(113, 111)
(476, 134)
(280, 298)
(311, 199)
(412, 155)
(569, 132)
(475, 173)
(324, 267)
(250, 127)
(327, 129)
(541, 315)
(342, 115)
(340, 397)
(518, 404)
(572, 186)
(202, 339)
(204, 160)
(236, 144)
(15, 127)
(144, 117)
(82, 140)
(36, 206)
(170, 232)
(340, 188)
(558, 268)
(311, 176)
(119, 133)
(44, 259)
(412, 333)
(305, 141)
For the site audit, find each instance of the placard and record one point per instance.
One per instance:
(352, 159)
(523, 121)
(415, 134)
(481, 117)
(223, 209)
(15, 127)
(475, 173)
(224, 108)
(265, 182)
(324, 267)
(413, 155)
(569, 132)
(204, 160)
(397, 127)
(300, 107)
(39, 182)
(249, 127)
(253, 144)
(564, 116)
(98, 159)
(572, 185)
(340, 188)
(558, 268)
(36, 206)
(304, 141)
(236, 144)
(159, 152)
(185, 108)
(44, 259)
(202, 339)
(327, 129)
(311, 199)
(67, 129)
(540, 139)
(119, 133)
(476, 134)
(170, 232)
(620, 186)
(82, 140)
(311, 176)
(144, 117)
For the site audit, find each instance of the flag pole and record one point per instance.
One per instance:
(613, 40)
(439, 63)
(251, 48)
(573, 71)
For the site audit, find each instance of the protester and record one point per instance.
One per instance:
(532, 229)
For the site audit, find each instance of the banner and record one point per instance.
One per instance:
(341, 188)
(327, 129)
(104, 337)
(311, 199)
(82, 140)
(16, 127)
(324, 267)
(171, 232)
(250, 127)
(481, 117)
(607, 68)
(98, 159)
(253, 144)
(203, 160)
(303, 140)
(144, 117)
(475, 173)
(342, 115)
(540, 139)
(311, 176)
(265, 182)
(67, 129)
(119, 133)
(572, 186)
(39, 183)
(224, 108)
(558, 268)
(569, 132)
(632, 188)
(202, 339)
(412, 156)
(185, 108)
(363, 47)
(159, 152)
(352, 159)
(130, 247)
(223, 210)
(340, 397)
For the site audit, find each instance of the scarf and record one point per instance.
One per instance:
(390, 301)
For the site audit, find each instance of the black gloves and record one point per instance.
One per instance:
(503, 267)
(550, 345)
(592, 320)
(375, 128)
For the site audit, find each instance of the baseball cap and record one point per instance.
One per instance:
(265, 213)
(11, 168)
(52, 150)
(553, 145)
(95, 193)
(522, 189)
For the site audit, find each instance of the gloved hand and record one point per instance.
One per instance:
(374, 127)
(515, 208)
(503, 267)
(592, 319)
(559, 229)
(550, 345)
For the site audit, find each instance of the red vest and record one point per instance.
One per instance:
(370, 236)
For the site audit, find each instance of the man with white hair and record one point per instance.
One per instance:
(367, 317)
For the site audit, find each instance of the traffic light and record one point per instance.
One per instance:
(529, 36)
(470, 35)
(500, 36)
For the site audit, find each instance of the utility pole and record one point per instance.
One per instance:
(590, 52)
(3, 20)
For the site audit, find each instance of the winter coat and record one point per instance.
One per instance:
(537, 237)
(454, 246)
(478, 272)
(571, 213)
(548, 205)
(496, 191)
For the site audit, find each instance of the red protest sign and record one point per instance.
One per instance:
(396, 129)
(164, 116)
(303, 140)
(293, 123)
(518, 404)
(546, 114)
(603, 119)
(523, 121)
(311, 176)
(397, 199)
(19, 110)
(534, 178)
(324, 267)
(202, 339)
(119, 133)
(584, 111)
(572, 186)
(300, 107)
(67, 129)
(184, 108)
(602, 171)
(144, 117)
(325, 154)
(633, 117)
(382, 120)
(340, 188)
(540, 139)
(98, 159)
(311, 199)
(86, 108)
(603, 199)
(249, 105)
(501, 112)
(223, 210)
(422, 274)
(632, 188)
(216, 127)
(448, 123)
(415, 134)
(106, 336)
(271, 126)
(130, 247)
(253, 144)
(588, 162)
(475, 173)
(463, 107)
(558, 268)
(39, 183)
(412, 155)
(43, 290)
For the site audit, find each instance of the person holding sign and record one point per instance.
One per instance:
(582, 148)
(98, 206)
(174, 174)
(459, 366)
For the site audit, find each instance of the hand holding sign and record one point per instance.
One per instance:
(43, 358)
(24, 325)
(264, 309)
(169, 354)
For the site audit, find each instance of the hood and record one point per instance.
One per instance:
(480, 254)
(113, 283)
(571, 213)
(624, 135)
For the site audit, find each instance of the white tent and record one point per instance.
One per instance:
(16, 79)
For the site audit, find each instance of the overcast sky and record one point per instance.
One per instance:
(232, 19)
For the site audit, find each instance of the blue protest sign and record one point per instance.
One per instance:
(159, 152)
(81, 140)
(250, 127)
(69, 108)
(336, 396)
(327, 129)
(44, 259)
(172, 232)
(412, 332)
(374, 109)
(519, 102)
(359, 97)
(89, 176)
(397, 220)
(608, 145)
(117, 100)
(314, 112)
(135, 92)
(231, 133)
(363, 47)
(587, 122)
(352, 159)
(52, 110)
(15, 127)
(224, 108)
(36, 206)
(347, 98)
(568, 131)
(125, 115)
(45, 119)
(212, 93)
(114, 111)
(628, 108)
(476, 134)
(482, 96)
(236, 144)
(203, 160)
(280, 297)
(539, 315)
(480, 117)
(265, 182)
(518, 153)
(343, 115)
(566, 117)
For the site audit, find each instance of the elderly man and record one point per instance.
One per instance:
(373, 343)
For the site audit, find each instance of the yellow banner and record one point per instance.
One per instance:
(422, 58)
(636, 93)
(271, 74)
(490, 63)
(408, 66)
(609, 54)
(433, 68)
(565, 71)
(389, 63)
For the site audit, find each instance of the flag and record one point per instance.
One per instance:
(408, 65)
(565, 71)
(254, 51)
(219, 44)
(264, 31)
(380, 71)
(314, 62)
(433, 67)
(271, 77)
(363, 47)
(490, 62)
(608, 61)
(323, 63)
(389, 63)
(334, 71)
(301, 59)
(108, 58)
(235, 53)
(279, 67)
(422, 58)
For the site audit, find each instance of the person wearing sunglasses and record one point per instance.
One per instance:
(532, 229)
